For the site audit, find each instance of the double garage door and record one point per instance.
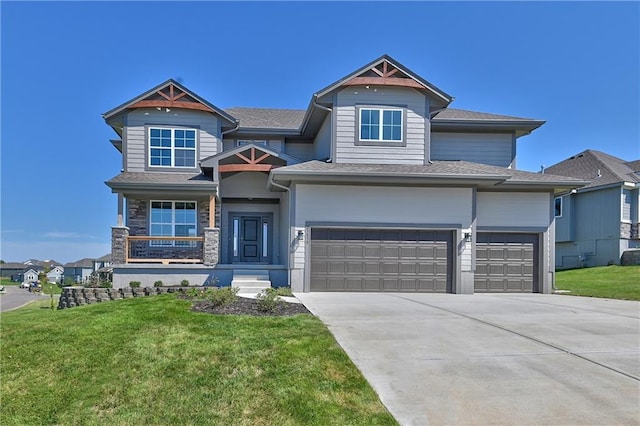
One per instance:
(417, 261)
(381, 260)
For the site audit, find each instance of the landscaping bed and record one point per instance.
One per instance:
(245, 306)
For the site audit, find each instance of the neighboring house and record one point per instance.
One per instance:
(597, 223)
(79, 271)
(31, 275)
(377, 186)
(12, 270)
(102, 262)
(55, 274)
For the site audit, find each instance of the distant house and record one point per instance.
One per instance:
(597, 223)
(55, 274)
(79, 271)
(12, 270)
(102, 262)
(31, 275)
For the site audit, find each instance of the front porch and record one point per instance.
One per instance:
(220, 275)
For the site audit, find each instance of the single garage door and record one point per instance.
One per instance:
(381, 260)
(506, 263)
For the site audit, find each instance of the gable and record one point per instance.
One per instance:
(167, 95)
(386, 71)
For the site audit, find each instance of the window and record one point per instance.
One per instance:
(558, 206)
(173, 219)
(626, 205)
(172, 147)
(384, 125)
(247, 142)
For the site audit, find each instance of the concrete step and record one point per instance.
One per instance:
(250, 281)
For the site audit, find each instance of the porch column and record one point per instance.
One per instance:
(120, 209)
(119, 244)
(212, 211)
(211, 246)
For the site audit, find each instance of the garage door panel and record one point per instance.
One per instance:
(506, 262)
(380, 260)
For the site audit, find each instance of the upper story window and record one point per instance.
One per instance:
(172, 147)
(558, 206)
(381, 124)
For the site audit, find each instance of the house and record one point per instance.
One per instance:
(55, 274)
(597, 223)
(377, 186)
(12, 270)
(102, 262)
(31, 274)
(79, 271)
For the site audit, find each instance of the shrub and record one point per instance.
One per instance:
(106, 284)
(157, 284)
(284, 291)
(134, 284)
(268, 300)
(194, 293)
(223, 296)
(184, 283)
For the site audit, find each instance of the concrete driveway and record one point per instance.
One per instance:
(15, 297)
(534, 359)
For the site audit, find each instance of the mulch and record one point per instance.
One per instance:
(245, 306)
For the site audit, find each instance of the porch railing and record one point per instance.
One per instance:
(148, 249)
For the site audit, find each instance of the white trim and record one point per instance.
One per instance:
(561, 206)
(381, 111)
(173, 146)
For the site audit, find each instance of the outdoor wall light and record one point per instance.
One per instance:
(467, 236)
(300, 234)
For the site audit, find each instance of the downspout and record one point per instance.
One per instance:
(289, 239)
(316, 104)
(228, 131)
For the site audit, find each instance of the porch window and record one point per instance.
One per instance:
(173, 219)
(172, 147)
(381, 124)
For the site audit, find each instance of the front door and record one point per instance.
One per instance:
(250, 238)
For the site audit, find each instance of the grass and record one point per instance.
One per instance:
(7, 281)
(153, 361)
(611, 282)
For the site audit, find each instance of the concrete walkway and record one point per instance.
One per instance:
(528, 359)
(15, 297)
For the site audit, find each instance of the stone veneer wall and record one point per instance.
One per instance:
(625, 230)
(138, 215)
(119, 236)
(78, 296)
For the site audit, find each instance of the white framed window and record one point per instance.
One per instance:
(626, 205)
(247, 142)
(173, 219)
(381, 124)
(172, 147)
(558, 206)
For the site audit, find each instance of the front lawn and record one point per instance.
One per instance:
(611, 282)
(151, 360)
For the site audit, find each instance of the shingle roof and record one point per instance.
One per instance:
(12, 265)
(461, 114)
(452, 169)
(291, 119)
(82, 263)
(160, 178)
(587, 164)
(105, 258)
(268, 118)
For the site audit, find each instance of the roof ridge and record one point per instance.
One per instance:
(598, 154)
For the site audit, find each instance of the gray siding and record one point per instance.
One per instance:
(322, 142)
(565, 224)
(346, 122)
(514, 209)
(595, 225)
(136, 140)
(302, 151)
(626, 205)
(495, 149)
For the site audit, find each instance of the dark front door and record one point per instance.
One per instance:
(250, 238)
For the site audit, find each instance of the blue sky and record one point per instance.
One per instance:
(576, 65)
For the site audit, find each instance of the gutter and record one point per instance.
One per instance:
(227, 131)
